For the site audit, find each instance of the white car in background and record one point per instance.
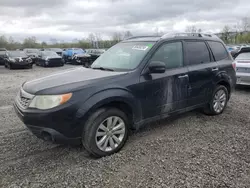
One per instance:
(243, 68)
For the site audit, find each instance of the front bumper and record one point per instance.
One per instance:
(243, 78)
(58, 126)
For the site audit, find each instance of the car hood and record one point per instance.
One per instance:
(67, 81)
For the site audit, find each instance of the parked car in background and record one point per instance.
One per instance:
(137, 81)
(69, 52)
(3, 49)
(83, 59)
(243, 66)
(95, 53)
(76, 56)
(3, 56)
(49, 59)
(18, 59)
(59, 51)
(32, 53)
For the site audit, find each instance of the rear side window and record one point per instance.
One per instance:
(197, 52)
(218, 50)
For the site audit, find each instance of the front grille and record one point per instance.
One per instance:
(24, 98)
(55, 60)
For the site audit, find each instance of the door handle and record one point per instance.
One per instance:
(215, 69)
(183, 76)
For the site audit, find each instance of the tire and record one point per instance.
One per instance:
(30, 66)
(92, 126)
(210, 109)
(10, 66)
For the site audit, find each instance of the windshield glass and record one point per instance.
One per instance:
(2, 52)
(123, 56)
(31, 50)
(78, 51)
(56, 49)
(17, 54)
(243, 56)
(49, 53)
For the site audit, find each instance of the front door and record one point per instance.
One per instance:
(165, 93)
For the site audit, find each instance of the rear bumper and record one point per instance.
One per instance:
(243, 78)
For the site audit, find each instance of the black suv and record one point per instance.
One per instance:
(139, 80)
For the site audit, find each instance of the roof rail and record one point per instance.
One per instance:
(172, 34)
(134, 37)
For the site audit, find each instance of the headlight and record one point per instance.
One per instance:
(49, 101)
(12, 60)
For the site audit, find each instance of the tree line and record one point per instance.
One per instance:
(92, 41)
(238, 33)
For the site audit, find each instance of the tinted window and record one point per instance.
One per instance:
(218, 50)
(171, 54)
(197, 53)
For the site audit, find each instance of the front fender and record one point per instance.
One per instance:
(107, 96)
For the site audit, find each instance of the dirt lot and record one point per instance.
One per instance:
(192, 150)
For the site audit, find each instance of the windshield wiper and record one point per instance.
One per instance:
(103, 68)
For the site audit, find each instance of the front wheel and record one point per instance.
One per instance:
(105, 132)
(218, 102)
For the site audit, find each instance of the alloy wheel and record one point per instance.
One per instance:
(110, 133)
(219, 101)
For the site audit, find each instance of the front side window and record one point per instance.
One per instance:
(197, 52)
(171, 54)
(123, 56)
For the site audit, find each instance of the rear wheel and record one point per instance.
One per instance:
(105, 132)
(218, 102)
(30, 66)
(10, 66)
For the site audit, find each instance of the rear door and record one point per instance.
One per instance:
(202, 70)
(223, 59)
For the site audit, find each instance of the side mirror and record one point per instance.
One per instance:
(157, 67)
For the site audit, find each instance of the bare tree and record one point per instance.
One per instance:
(127, 34)
(226, 33)
(91, 39)
(98, 38)
(245, 24)
(117, 37)
(191, 29)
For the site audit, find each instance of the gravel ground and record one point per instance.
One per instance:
(192, 150)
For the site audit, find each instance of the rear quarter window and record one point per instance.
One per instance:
(218, 50)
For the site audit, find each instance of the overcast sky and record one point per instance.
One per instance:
(69, 19)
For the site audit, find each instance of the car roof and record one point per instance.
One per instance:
(171, 36)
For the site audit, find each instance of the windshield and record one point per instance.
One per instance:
(2, 52)
(56, 49)
(123, 56)
(49, 53)
(31, 50)
(243, 56)
(17, 54)
(78, 51)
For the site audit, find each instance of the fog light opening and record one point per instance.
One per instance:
(46, 136)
